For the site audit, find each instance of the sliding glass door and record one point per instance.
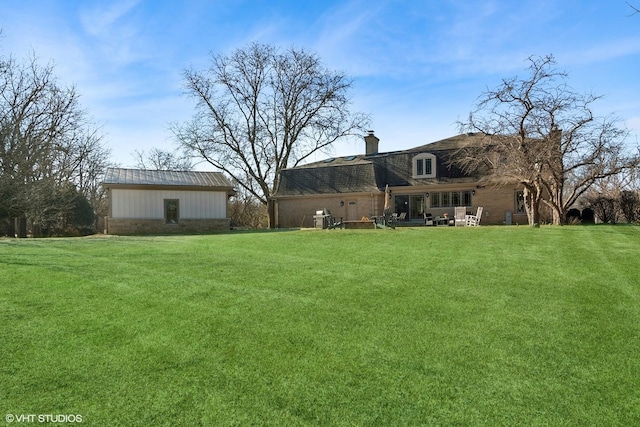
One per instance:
(417, 206)
(412, 205)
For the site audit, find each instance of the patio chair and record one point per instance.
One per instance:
(402, 216)
(474, 220)
(428, 219)
(460, 216)
(333, 222)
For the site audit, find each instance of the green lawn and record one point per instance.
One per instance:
(423, 326)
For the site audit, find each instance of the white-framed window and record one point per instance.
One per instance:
(424, 166)
(449, 199)
(520, 208)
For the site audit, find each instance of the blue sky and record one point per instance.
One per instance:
(417, 66)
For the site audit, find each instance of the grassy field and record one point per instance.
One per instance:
(424, 326)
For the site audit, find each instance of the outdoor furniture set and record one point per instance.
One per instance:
(461, 218)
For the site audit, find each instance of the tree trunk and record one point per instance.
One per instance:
(558, 217)
(271, 208)
(11, 230)
(555, 203)
(532, 205)
(22, 227)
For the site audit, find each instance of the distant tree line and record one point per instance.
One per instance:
(614, 209)
(616, 200)
(51, 154)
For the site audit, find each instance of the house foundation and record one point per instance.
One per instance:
(128, 226)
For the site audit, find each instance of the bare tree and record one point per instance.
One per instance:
(260, 110)
(46, 143)
(542, 134)
(162, 160)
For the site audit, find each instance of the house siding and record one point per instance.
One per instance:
(299, 211)
(496, 201)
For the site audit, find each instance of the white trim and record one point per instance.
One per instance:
(426, 158)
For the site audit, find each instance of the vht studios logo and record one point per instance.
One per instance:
(43, 418)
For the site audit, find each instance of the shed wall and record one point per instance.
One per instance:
(149, 204)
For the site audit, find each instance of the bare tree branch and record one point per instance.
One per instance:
(158, 159)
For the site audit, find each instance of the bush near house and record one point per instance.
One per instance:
(429, 326)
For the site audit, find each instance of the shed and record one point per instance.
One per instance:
(166, 202)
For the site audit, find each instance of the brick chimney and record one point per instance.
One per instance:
(371, 142)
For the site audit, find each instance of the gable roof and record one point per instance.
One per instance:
(369, 173)
(126, 177)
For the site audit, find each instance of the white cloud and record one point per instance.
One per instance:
(606, 51)
(101, 20)
(115, 34)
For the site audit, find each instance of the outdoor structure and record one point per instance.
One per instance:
(423, 185)
(163, 202)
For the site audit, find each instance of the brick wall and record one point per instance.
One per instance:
(495, 203)
(299, 212)
(158, 226)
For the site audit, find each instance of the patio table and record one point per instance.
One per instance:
(442, 220)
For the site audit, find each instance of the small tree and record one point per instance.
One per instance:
(605, 208)
(247, 211)
(261, 109)
(630, 205)
(542, 134)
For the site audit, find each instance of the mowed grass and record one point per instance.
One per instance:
(424, 326)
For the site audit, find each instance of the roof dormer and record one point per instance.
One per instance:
(424, 166)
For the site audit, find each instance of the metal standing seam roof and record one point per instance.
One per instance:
(120, 176)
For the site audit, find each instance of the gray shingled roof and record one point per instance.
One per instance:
(366, 173)
(321, 180)
(120, 176)
(452, 143)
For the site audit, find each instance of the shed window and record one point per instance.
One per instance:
(171, 211)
